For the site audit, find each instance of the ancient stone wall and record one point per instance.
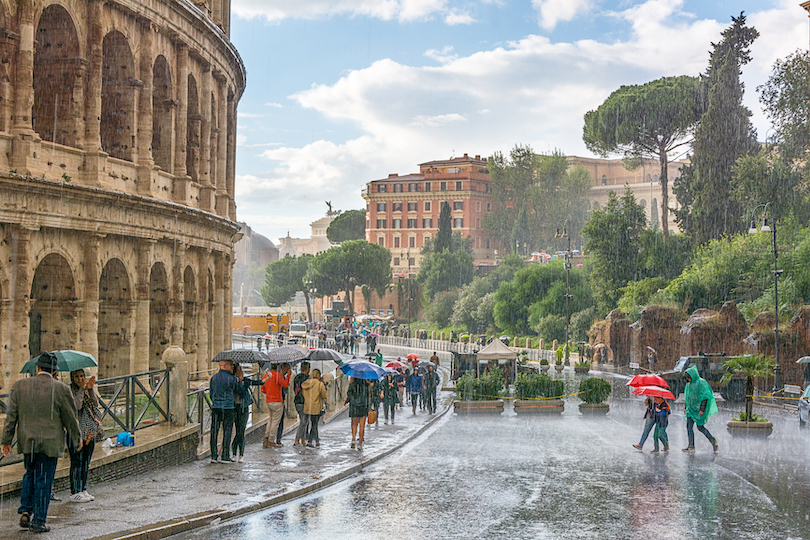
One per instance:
(658, 328)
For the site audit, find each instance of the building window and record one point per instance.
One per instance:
(381, 241)
(396, 207)
(489, 188)
(478, 224)
(380, 207)
(411, 243)
(381, 224)
(397, 188)
(411, 207)
(443, 186)
(396, 259)
(413, 186)
(454, 170)
(427, 186)
(458, 186)
(367, 227)
(381, 188)
(458, 223)
(427, 206)
(458, 205)
(396, 242)
(412, 260)
(489, 207)
(604, 179)
(477, 206)
(427, 223)
(412, 223)
(396, 223)
(487, 243)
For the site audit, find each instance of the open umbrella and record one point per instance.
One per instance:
(394, 364)
(653, 391)
(803, 360)
(287, 353)
(241, 356)
(647, 379)
(412, 356)
(324, 355)
(363, 370)
(65, 361)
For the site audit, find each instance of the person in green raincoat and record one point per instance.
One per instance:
(378, 358)
(700, 405)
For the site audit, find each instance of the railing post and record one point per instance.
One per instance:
(174, 358)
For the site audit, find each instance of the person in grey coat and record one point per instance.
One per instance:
(42, 412)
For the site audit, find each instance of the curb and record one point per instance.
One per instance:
(185, 523)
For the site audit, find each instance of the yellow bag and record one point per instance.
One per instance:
(372, 417)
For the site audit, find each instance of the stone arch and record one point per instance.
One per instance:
(114, 320)
(159, 321)
(189, 311)
(118, 97)
(193, 130)
(53, 313)
(57, 77)
(163, 114)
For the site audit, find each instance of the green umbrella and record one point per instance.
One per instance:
(65, 361)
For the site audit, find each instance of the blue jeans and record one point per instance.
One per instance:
(314, 420)
(690, 433)
(223, 418)
(80, 467)
(647, 428)
(240, 423)
(37, 484)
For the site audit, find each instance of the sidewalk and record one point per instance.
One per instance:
(172, 500)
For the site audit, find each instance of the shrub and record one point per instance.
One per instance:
(583, 364)
(594, 390)
(487, 386)
(536, 385)
(543, 362)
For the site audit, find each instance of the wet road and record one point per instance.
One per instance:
(567, 477)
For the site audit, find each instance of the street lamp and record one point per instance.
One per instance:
(408, 255)
(567, 265)
(777, 369)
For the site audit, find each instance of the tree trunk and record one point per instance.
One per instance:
(309, 308)
(664, 160)
(749, 397)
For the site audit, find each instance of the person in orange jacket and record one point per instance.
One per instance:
(274, 382)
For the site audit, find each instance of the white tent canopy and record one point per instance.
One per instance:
(496, 351)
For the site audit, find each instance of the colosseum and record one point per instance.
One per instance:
(118, 136)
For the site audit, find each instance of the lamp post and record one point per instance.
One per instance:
(567, 265)
(777, 369)
(408, 255)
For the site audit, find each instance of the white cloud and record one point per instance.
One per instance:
(437, 120)
(552, 12)
(249, 115)
(401, 10)
(442, 56)
(276, 105)
(454, 18)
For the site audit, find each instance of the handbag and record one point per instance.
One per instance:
(372, 417)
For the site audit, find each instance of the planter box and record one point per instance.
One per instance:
(559, 368)
(581, 369)
(750, 429)
(539, 406)
(594, 409)
(478, 407)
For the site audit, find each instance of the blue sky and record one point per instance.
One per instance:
(341, 92)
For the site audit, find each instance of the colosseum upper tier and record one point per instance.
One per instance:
(117, 214)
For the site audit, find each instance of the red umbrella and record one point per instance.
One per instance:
(395, 364)
(653, 391)
(412, 356)
(648, 379)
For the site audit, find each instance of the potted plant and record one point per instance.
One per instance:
(747, 423)
(559, 353)
(544, 365)
(479, 394)
(593, 391)
(583, 366)
(538, 393)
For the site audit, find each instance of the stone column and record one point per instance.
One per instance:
(203, 350)
(207, 191)
(219, 307)
(146, 162)
(174, 359)
(139, 360)
(181, 125)
(222, 204)
(21, 295)
(227, 316)
(94, 157)
(88, 331)
(178, 295)
(22, 126)
(230, 180)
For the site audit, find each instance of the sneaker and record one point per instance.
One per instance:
(359, 446)
(39, 528)
(386, 422)
(310, 445)
(228, 460)
(715, 445)
(25, 520)
(240, 459)
(689, 449)
(88, 495)
(353, 444)
(666, 448)
(78, 498)
(219, 459)
(276, 445)
(637, 446)
(213, 460)
(655, 451)
(317, 443)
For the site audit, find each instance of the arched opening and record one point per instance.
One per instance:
(57, 99)
(162, 114)
(189, 311)
(114, 320)
(53, 314)
(158, 314)
(118, 97)
(194, 127)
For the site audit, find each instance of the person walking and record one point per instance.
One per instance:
(390, 397)
(435, 359)
(42, 412)
(314, 392)
(280, 428)
(415, 388)
(242, 399)
(274, 383)
(649, 414)
(661, 412)
(700, 405)
(222, 390)
(90, 429)
(431, 385)
(358, 398)
(399, 379)
(298, 401)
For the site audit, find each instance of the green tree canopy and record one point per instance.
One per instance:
(350, 225)
(446, 269)
(444, 234)
(786, 99)
(648, 120)
(284, 278)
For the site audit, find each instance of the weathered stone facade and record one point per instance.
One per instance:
(117, 214)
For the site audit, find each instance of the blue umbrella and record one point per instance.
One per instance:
(363, 370)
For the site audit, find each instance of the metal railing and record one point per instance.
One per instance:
(534, 355)
(135, 402)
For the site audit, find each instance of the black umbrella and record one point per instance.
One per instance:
(288, 354)
(324, 355)
(241, 356)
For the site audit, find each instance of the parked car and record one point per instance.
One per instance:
(804, 408)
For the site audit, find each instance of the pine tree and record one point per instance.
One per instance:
(444, 234)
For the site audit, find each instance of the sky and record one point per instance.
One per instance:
(343, 92)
